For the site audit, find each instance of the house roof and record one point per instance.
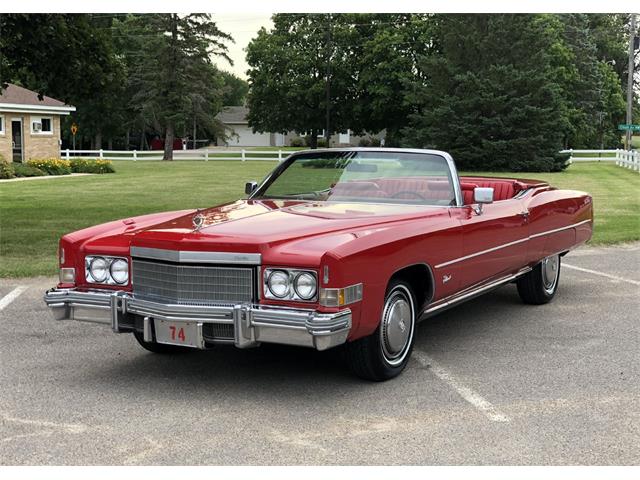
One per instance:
(233, 115)
(20, 99)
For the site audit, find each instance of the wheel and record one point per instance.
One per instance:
(159, 347)
(540, 284)
(385, 353)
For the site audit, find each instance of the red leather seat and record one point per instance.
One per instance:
(503, 189)
(467, 192)
(415, 188)
(357, 189)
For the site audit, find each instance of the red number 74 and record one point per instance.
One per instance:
(180, 333)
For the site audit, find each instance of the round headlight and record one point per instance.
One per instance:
(98, 269)
(305, 285)
(120, 271)
(278, 283)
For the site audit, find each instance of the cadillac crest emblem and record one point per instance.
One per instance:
(198, 221)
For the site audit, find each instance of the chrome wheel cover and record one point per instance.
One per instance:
(397, 324)
(550, 272)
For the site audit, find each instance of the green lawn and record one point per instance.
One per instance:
(34, 214)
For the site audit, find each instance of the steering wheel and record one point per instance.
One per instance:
(404, 192)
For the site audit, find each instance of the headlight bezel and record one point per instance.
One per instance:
(109, 261)
(292, 294)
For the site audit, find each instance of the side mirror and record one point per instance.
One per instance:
(250, 187)
(482, 195)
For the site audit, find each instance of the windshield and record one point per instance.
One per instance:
(363, 176)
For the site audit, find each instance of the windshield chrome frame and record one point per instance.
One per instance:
(448, 158)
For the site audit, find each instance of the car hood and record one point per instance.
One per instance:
(256, 225)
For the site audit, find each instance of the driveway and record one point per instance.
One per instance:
(490, 382)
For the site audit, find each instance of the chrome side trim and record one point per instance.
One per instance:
(482, 252)
(472, 293)
(186, 256)
(505, 245)
(541, 234)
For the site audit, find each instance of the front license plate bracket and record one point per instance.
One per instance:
(184, 334)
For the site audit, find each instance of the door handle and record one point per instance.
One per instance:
(525, 215)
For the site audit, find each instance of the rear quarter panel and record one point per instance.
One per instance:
(551, 211)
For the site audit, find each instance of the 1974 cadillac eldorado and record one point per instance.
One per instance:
(335, 247)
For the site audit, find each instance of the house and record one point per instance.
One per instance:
(29, 127)
(234, 119)
(239, 133)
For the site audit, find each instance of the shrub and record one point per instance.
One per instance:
(51, 166)
(364, 142)
(83, 165)
(26, 170)
(321, 142)
(297, 142)
(6, 170)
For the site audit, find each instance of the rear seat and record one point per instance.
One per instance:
(400, 188)
(357, 189)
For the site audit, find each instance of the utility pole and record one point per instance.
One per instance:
(327, 129)
(632, 36)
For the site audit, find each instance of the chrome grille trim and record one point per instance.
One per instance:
(192, 284)
(187, 256)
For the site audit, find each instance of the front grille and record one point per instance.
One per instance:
(191, 284)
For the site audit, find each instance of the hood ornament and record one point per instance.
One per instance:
(198, 221)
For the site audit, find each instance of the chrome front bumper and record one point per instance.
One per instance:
(247, 324)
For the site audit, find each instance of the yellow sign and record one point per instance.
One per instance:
(74, 129)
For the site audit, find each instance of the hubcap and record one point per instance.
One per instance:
(396, 327)
(550, 271)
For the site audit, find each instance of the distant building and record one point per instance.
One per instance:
(240, 134)
(29, 127)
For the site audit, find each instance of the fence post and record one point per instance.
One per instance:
(243, 157)
(101, 154)
(135, 155)
(279, 155)
(67, 154)
(206, 154)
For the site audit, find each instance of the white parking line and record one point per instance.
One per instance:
(602, 274)
(11, 296)
(465, 392)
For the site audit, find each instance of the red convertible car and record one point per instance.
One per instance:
(346, 247)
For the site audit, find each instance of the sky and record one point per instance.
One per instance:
(242, 27)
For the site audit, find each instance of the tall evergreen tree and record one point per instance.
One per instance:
(490, 95)
(176, 79)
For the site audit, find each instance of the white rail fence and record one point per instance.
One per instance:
(624, 158)
(200, 154)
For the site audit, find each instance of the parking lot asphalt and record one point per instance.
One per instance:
(491, 382)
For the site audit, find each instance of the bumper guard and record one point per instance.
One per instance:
(251, 323)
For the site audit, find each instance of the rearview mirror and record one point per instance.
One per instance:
(250, 187)
(482, 195)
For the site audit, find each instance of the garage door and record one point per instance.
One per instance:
(246, 138)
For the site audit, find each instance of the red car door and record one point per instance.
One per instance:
(494, 243)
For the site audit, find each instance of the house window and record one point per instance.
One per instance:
(1, 124)
(41, 125)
